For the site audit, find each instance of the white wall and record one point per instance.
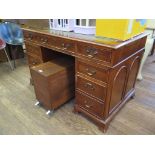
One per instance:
(150, 23)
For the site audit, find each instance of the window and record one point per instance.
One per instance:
(78, 22)
(85, 22)
(92, 22)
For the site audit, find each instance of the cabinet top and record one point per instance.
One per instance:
(107, 42)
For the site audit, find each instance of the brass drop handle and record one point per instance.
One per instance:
(90, 72)
(65, 46)
(33, 63)
(44, 40)
(91, 52)
(92, 55)
(40, 70)
(89, 85)
(86, 104)
(30, 37)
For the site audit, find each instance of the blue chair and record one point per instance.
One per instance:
(12, 34)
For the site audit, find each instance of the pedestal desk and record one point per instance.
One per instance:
(105, 69)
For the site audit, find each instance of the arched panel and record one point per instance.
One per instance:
(133, 74)
(118, 87)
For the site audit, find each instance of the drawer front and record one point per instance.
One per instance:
(37, 38)
(33, 50)
(63, 44)
(33, 61)
(91, 88)
(91, 71)
(94, 52)
(30, 36)
(66, 45)
(47, 40)
(50, 41)
(92, 106)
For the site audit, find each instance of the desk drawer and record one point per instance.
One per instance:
(94, 52)
(91, 71)
(30, 36)
(33, 50)
(33, 61)
(63, 44)
(92, 106)
(47, 40)
(66, 45)
(91, 88)
(36, 38)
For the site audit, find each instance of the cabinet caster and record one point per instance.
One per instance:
(37, 103)
(49, 112)
(133, 96)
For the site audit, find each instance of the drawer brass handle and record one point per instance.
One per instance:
(86, 105)
(89, 85)
(92, 55)
(30, 37)
(91, 52)
(40, 70)
(65, 46)
(44, 40)
(90, 72)
(33, 63)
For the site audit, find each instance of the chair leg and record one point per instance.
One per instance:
(8, 59)
(13, 56)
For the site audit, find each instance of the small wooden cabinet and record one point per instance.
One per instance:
(54, 82)
(105, 69)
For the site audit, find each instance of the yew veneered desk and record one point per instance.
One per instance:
(105, 73)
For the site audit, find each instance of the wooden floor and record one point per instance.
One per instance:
(18, 115)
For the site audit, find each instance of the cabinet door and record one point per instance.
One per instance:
(118, 82)
(134, 64)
